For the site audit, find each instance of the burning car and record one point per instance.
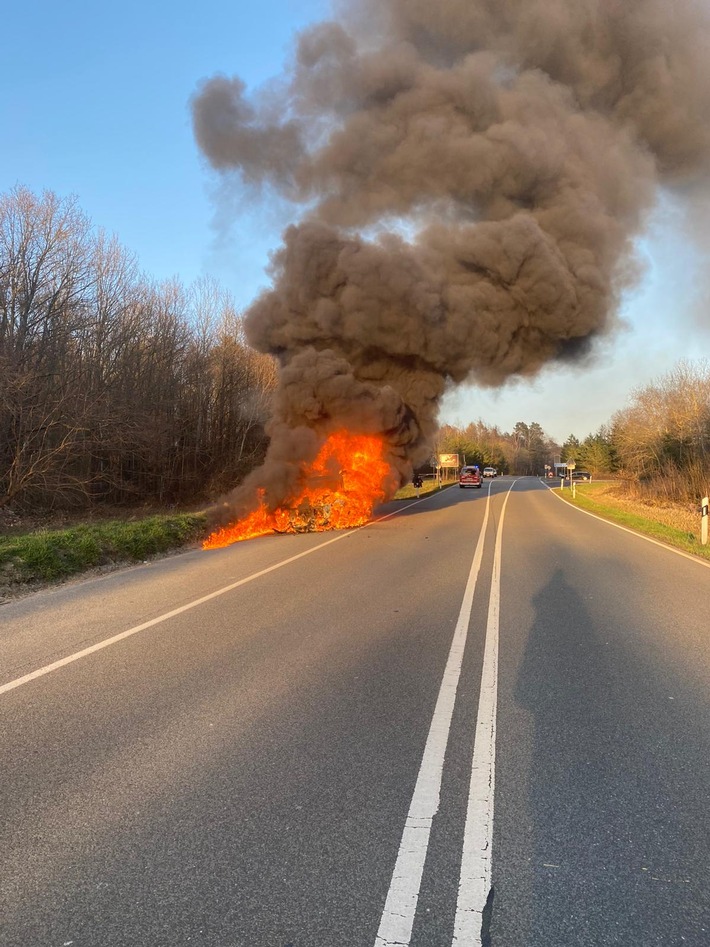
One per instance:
(337, 490)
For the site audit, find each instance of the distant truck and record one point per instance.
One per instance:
(490, 472)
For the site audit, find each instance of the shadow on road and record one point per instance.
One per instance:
(603, 815)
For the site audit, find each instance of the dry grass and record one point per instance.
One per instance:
(407, 492)
(682, 515)
(676, 524)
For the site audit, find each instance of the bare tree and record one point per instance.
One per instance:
(45, 275)
(113, 388)
(664, 433)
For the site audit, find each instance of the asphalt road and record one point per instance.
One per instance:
(232, 743)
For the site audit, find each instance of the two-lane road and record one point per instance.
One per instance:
(273, 744)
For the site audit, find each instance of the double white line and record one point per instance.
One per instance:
(474, 884)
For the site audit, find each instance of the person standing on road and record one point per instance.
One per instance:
(417, 483)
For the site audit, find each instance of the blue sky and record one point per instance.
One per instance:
(95, 99)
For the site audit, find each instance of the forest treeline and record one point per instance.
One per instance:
(658, 444)
(523, 451)
(115, 389)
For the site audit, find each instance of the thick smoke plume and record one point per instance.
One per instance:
(473, 173)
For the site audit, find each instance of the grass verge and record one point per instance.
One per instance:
(408, 492)
(31, 559)
(50, 555)
(600, 499)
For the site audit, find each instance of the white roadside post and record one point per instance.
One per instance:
(704, 521)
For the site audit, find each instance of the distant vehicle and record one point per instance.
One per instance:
(490, 472)
(470, 477)
(581, 475)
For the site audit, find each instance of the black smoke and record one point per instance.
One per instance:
(473, 175)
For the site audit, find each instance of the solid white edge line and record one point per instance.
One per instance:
(401, 902)
(475, 877)
(631, 532)
(108, 642)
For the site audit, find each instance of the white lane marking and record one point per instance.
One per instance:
(401, 903)
(632, 532)
(108, 642)
(475, 878)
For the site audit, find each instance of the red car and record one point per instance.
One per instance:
(470, 477)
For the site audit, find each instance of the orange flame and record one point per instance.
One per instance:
(340, 489)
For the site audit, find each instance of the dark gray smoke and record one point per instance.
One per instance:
(474, 173)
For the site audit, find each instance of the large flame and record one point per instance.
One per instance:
(339, 490)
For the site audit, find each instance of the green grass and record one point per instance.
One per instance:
(45, 555)
(587, 497)
(49, 555)
(29, 559)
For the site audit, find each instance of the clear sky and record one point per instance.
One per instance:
(95, 102)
